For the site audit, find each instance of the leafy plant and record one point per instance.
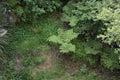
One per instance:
(94, 19)
(80, 11)
(83, 69)
(110, 59)
(87, 51)
(64, 39)
(111, 35)
(81, 16)
(28, 10)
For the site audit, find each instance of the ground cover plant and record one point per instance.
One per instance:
(59, 40)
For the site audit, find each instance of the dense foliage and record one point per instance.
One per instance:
(94, 19)
(110, 16)
(28, 10)
(86, 30)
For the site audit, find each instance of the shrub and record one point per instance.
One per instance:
(95, 19)
(109, 59)
(88, 51)
(110, 16)
(28, 10)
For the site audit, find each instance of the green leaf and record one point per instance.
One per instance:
(73, 21)
(65, 48)
(55, 39)
(68, 35)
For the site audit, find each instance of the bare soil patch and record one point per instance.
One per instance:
(49, 61)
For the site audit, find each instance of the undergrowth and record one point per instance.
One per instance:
(25, 47)
(25, 50)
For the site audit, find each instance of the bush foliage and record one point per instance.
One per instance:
(92, 30)
(28, 10)
(97, 22)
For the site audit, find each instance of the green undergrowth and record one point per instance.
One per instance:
(87, 76)
(26, 37)
(51, 75)
(24, 50)
(26, 45)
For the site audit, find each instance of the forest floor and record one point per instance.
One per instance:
(64, 68)
(30, 56)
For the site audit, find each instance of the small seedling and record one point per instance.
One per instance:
(83, 68)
